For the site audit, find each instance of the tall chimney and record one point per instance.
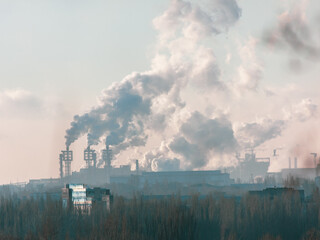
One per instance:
(137, 166)
(295, 162)
(289, 162)
(90, 157)
(61, 165)
(314, 159)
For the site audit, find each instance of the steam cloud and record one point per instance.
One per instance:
(127, 107)
(251, 135)
(294, 34)
(199, 137)
(149, 102)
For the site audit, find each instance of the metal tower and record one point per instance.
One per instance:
(107, 156)
(314, 159)
(137, 167)
(90, 157)
(65, 157)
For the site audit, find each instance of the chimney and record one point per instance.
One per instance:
(289, 163)
(65, 158)
(314, 159)
(137, 167)
(295, 162)
(90, 157)
(61, 165)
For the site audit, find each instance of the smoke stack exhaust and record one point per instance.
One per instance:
(289, 163)
(90, 157)
(314, 159)
(65, 159)
(61, 165)
(137, 167)
(107, 156)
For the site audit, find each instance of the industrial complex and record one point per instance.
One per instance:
(250, 174)
(108, 174)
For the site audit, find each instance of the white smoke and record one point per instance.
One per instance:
(149, 103)
(144, 100)
(249, 73)
(294, 33)
(254, 134)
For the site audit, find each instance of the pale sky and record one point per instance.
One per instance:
(248, 68)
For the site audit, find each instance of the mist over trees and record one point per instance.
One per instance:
(198, 217)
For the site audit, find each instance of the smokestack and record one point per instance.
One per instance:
(61, 165)
(107, 156)
(289, 163)
(90, 157)
(65, 158)
(314, 159)
(295, 162)
(137, 166)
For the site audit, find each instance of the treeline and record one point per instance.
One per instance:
(252, 217)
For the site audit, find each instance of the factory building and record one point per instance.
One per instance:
(215, 177)
(79, 196)
(250, 168)
(108, 174)
(124, 175)
(302, 173)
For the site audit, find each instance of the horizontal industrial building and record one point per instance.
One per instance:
(215, 177)
(79, 196)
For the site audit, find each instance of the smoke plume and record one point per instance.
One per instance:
(198, 139)
(294, 34)
(127, 108)
(251, 135)
(146, 103)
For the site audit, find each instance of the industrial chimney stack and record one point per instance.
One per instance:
(65, 158)
(314, 159)
(137, 167)
(107, 156)
(295, 162)
(289, 163)
(90, 157)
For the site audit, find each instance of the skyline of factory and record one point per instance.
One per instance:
(250, 169)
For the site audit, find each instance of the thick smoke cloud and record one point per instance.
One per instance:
(295, 34)
(251, 135)
(163, 164)
(125, 106)
(144, 103)
(202, 136)
(250, 72)
(191, 153)
(160, 160)
(216, 134)
(198, 139)
(304, 110)
(197, 21)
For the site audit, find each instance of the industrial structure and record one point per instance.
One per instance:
(107, 156)
(65, 157)
(79, 196)
(105, 173)
(214, 177)
(250, 167)
(309, 173)
(90, 157)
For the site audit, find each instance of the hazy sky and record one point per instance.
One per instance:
(172, 83)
